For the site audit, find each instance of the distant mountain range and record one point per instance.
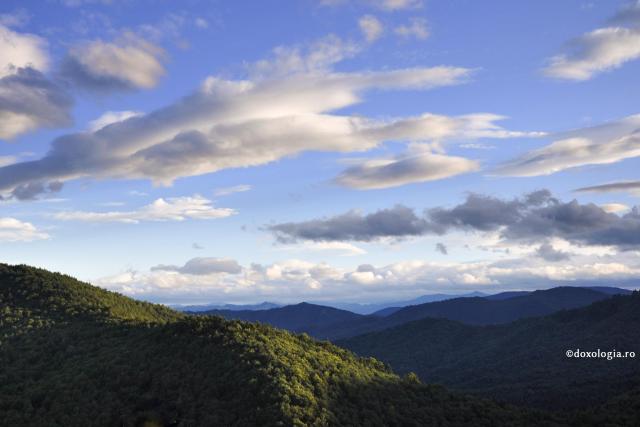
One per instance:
(390, 307)
(330, 323)
(522, 362)
(231, 307)
(352, 307)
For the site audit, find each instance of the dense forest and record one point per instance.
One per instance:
(76, 355)
(523, 362)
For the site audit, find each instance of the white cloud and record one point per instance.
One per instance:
(21, 51)
(391, 5)
(202, 266)
(424, 162)
(614, 207)
(28, 100)
(13, 230)
(371, 27)
(201, 23)
(225, 191)
(632, 187)
(296, 280)
(605, 144)
(385, 5)
(340, 248)
(237, 123)
(111, 117)
(7, 160)
(416, 28)
(601, 50)
(386, 173)
(128, 63)
(172, 209)
(318, 56)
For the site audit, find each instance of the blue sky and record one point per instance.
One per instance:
(363, 150)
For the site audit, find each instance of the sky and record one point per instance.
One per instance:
(209, 151)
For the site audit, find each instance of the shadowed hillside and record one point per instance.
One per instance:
(331, 323)
(523, 362)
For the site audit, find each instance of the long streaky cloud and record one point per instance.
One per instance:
(623, 186)
(605, 144)
(172, 209)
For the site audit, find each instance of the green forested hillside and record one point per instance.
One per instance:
(75, 355)
(304, 317)
(523, 362)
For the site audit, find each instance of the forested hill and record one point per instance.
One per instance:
(303, 317)
(523, 362)
(75, 355)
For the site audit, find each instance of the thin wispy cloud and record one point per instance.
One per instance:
(415, 28)
(172, 209)
(371, 27)
(225, 191)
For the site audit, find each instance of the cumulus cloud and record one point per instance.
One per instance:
(231, 124)
(14, 230)
(623, 186)
(386, 173)
(601, 50)
(202, 266)
(604, 144)
(416, 28)
(535, 217)
(292, 281)
(171, 209)
(371, 27)
(128, 63)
